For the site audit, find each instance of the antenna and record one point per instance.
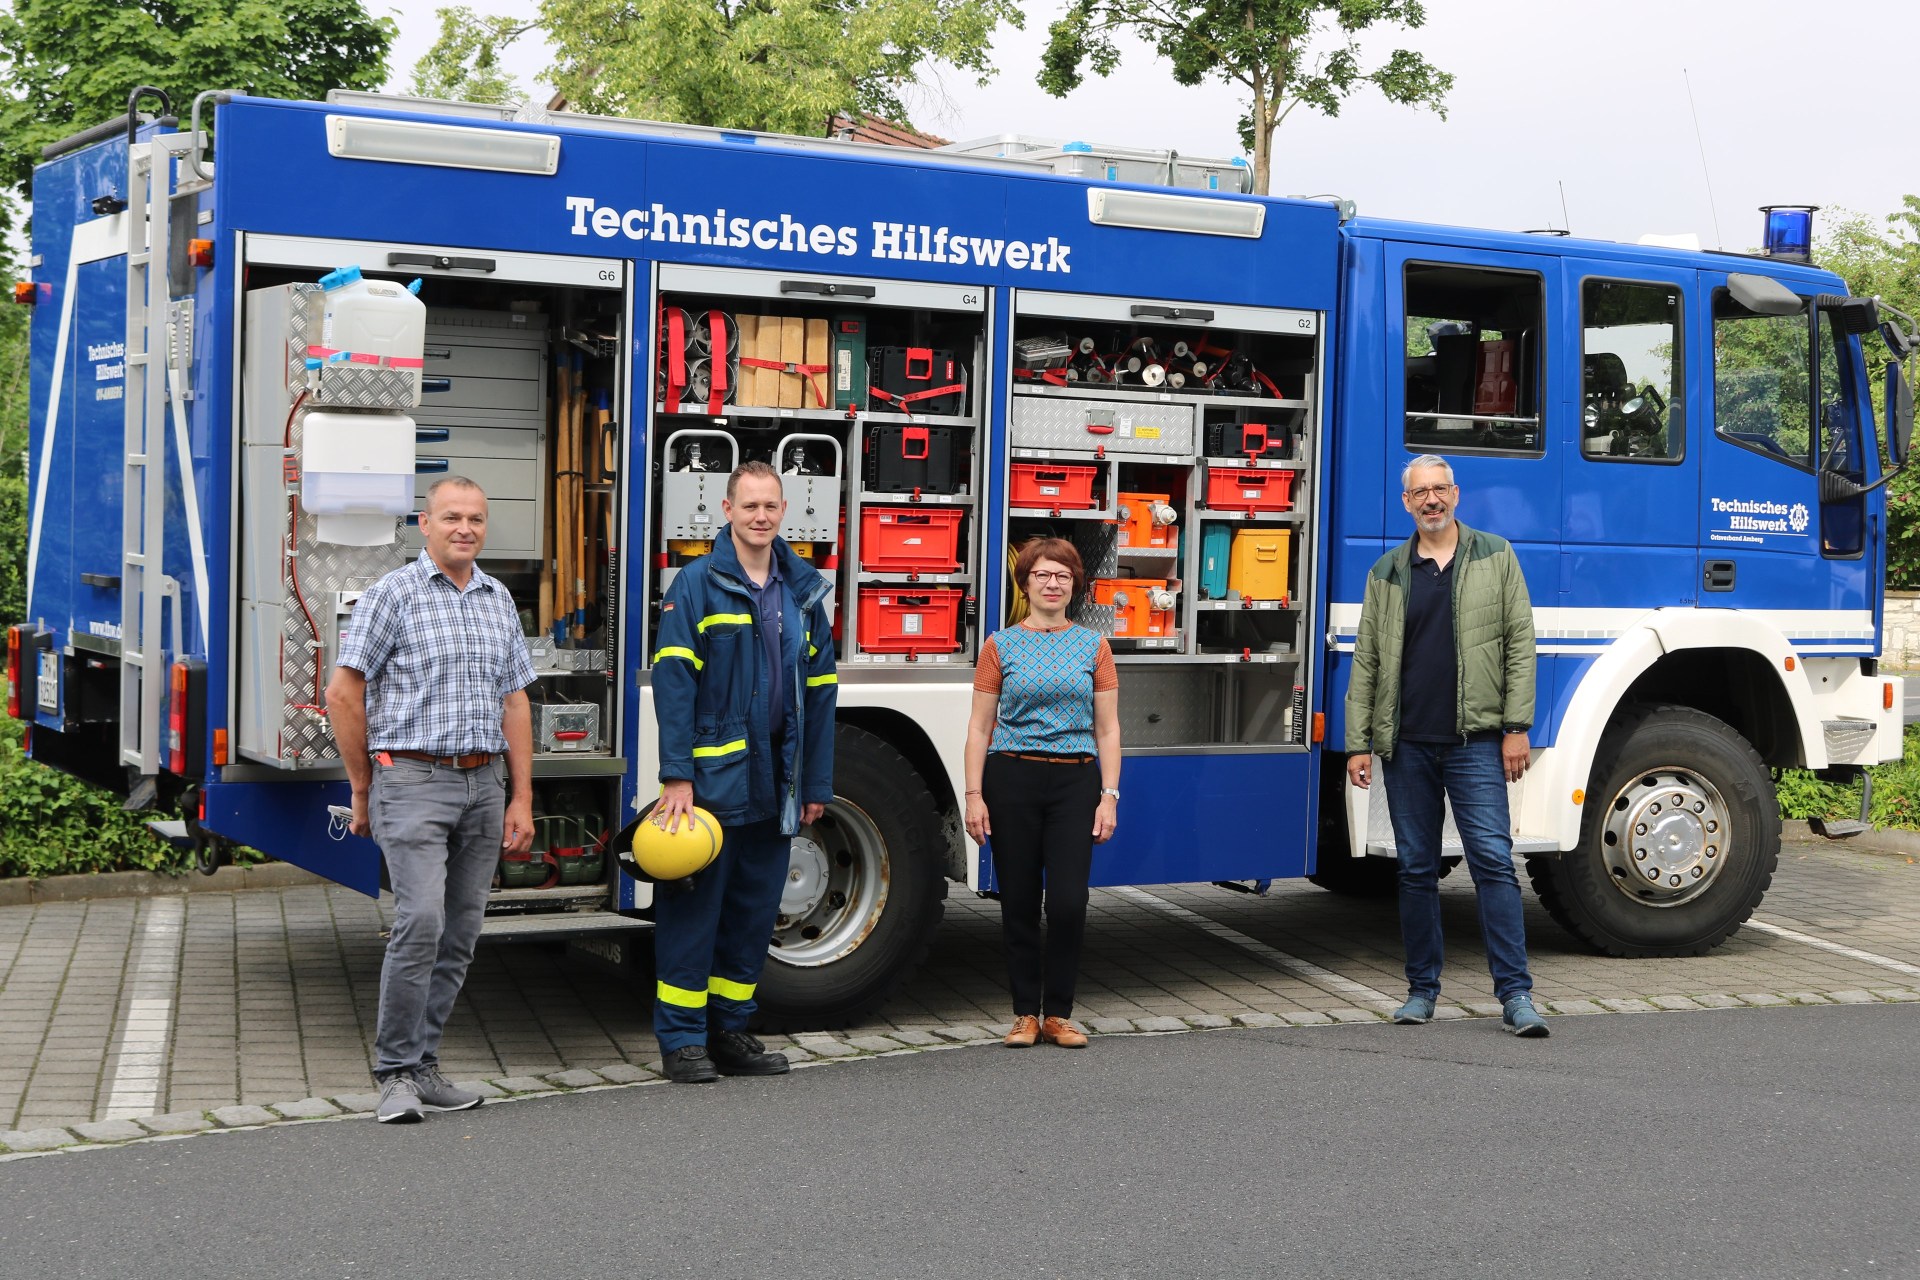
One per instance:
(1701, 140)
(1565, 217)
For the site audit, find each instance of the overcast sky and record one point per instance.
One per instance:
(1797, 103)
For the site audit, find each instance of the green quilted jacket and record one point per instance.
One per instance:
(1492, 643)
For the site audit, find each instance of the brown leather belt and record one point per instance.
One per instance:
(1022, 755)
(471, 761)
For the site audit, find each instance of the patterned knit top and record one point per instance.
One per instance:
(1045, 681)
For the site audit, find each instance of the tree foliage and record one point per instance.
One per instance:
(1284, 53)
(464, 63)
(13, 452)
(68, 64)
(737, 64)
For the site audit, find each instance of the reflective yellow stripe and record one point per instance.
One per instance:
(815, 681)
(670, 994)
(722, 619)
(724, 749)
(731, 990)
(675, 651)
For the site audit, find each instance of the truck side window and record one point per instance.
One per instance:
(1473, 359)
(1762, 381)
(1632, 401)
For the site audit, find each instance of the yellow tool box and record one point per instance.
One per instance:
(1257, 568)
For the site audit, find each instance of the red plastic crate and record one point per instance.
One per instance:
(912, 621)
(1238, 489)
(910, 539)
(1053, 486)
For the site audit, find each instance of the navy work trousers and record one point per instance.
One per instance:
(710, 936)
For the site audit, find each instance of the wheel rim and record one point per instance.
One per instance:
(1666, 837)
(835, 890)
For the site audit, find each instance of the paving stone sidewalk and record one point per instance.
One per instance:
(265, 999)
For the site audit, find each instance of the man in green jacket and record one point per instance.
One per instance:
(1442, 693)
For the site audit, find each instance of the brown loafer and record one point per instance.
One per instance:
(1026, 1029)
(1063, 1033)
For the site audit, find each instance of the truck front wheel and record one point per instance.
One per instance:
(865, 889)
(1678, 842)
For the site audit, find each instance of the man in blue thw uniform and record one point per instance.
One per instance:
(744, 689)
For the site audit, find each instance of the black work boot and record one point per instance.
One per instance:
(738, 1054)
(690, 1065)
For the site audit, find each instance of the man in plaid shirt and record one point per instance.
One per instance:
(429, 708)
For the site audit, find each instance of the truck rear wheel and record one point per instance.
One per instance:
(1678, 842)
(865, 889)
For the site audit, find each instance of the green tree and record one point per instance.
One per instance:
(1286, 53)
(13, 449)
(464, 63)
(786, 67)
(68, 64)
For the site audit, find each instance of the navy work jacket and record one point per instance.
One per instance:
(707, 695)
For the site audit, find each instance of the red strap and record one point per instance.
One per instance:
(811, 372)
(676, 355)
(717, 366)
(1056, 376)
(902, 401)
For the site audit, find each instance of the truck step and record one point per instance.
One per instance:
(1837, 828)
(559, 924)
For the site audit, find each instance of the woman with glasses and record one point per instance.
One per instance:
(1043, 782)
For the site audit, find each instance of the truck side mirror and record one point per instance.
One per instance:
(1899, 413)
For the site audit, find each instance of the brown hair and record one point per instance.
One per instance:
(1058, 550)
(750, 469)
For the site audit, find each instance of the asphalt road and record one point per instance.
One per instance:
(1755, 1143)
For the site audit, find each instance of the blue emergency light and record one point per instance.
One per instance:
(1790, 231)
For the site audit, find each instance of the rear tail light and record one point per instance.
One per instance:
(15, 642)
(186, 715)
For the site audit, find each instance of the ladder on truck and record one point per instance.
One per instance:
(151, 391)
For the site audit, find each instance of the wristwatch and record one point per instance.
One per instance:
(1110, 791)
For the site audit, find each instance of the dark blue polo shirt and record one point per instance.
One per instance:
(1429, 675)
(769, 608)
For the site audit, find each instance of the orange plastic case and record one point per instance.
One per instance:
(1137, 529)
(1053, 486)
(1244, 489)
(1134, 617)
(910, 540)
(911, 621)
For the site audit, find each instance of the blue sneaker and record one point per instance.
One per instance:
(1417, 1010)
(1522, 1019)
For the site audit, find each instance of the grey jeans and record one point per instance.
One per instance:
(439, 829)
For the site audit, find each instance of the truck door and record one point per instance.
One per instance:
(1782, 405)
(1631, 474)
(1468, 383)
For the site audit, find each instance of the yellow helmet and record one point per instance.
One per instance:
(657, 854)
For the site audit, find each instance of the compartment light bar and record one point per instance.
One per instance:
(452, 146)
(1158, 211)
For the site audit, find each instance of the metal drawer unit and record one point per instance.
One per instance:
(490, 425)
(1057, 425)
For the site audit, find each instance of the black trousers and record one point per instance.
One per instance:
(1042, 820)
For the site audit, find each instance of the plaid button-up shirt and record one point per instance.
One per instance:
(438, 660)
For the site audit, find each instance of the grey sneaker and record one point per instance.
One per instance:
(399, 1101)
(437, 1093)
(1522, 1019)
(1417, 1010)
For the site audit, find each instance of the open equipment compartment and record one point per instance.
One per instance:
(520, 378)
(866, 397)
(1171, 443)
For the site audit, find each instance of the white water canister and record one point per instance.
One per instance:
(356, 475)
(372, 323)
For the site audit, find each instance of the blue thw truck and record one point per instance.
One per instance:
(942, 353)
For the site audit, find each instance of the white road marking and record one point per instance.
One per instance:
(1325, 979)
(1839, 949)
(138, 1062)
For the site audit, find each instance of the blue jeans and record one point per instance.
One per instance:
(439, 830)
(1417, 778)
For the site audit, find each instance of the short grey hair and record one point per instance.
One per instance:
(453, 482)
(1425, 460)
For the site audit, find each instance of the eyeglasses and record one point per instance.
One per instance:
(1038, 576)
(1430, 491)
